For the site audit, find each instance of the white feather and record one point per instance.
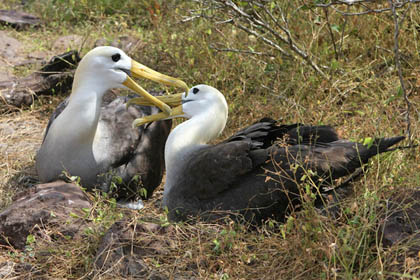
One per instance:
(207, 111)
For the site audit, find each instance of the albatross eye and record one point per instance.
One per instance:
(195, 90)
(116, 57)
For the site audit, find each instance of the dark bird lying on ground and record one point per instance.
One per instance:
(259, 172)
(94, 141)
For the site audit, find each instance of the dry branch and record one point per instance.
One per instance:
(397, 22)
(240, 51)
(268, 22)
(261, 23)
(364, 4)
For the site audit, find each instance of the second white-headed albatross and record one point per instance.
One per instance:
(250, 173)
(95, 141)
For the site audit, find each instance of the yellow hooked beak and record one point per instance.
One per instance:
(174, 100)
(141, 71)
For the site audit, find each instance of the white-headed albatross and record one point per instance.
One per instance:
(248, 174)
(92, 140)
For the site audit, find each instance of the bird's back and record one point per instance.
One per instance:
(257, 179)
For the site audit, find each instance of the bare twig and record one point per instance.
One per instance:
(342, 34)
(288, 39)
(331, 33)
(187, 19)
(269, 24)
(292, 44)
(345, 2)
(398, 65)
(363, 4)
(255, 24)
(240, 51)
(264, 39)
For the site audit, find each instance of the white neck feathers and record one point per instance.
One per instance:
(188, 137)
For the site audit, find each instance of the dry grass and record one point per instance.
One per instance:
(361, 99)
(21, 135)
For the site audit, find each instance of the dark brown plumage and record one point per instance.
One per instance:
(261, 171)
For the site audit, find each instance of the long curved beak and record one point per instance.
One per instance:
(174, 100)
(176, 113)
(142, 71)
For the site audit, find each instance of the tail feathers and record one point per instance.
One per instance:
(361, 155)
(381, 145)
(352, 168)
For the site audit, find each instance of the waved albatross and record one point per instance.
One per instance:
(248, 174)
(92, 140)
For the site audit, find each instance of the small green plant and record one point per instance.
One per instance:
(30, 239)
(224, 242)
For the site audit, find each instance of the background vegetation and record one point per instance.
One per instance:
(359, 92)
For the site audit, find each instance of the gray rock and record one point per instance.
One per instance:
(6, 75)
(399, 230)
(6, 269)
(66, 43)
(401, 222)
(18, 19)
(10, 49)
(42, 207)
(12, 270)
(123, 247)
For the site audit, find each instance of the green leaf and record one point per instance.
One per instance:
(308, 189)
(117, 180)
(360, 112)
(290, 223)
(368, 141)
(113, 202)
(30, 239)
(335, 27)
(73, 215)
(74, 178)
(283, 232)
(136, 178)
(272, 5)
(216, 245)
(143, 192)
(400, 91)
